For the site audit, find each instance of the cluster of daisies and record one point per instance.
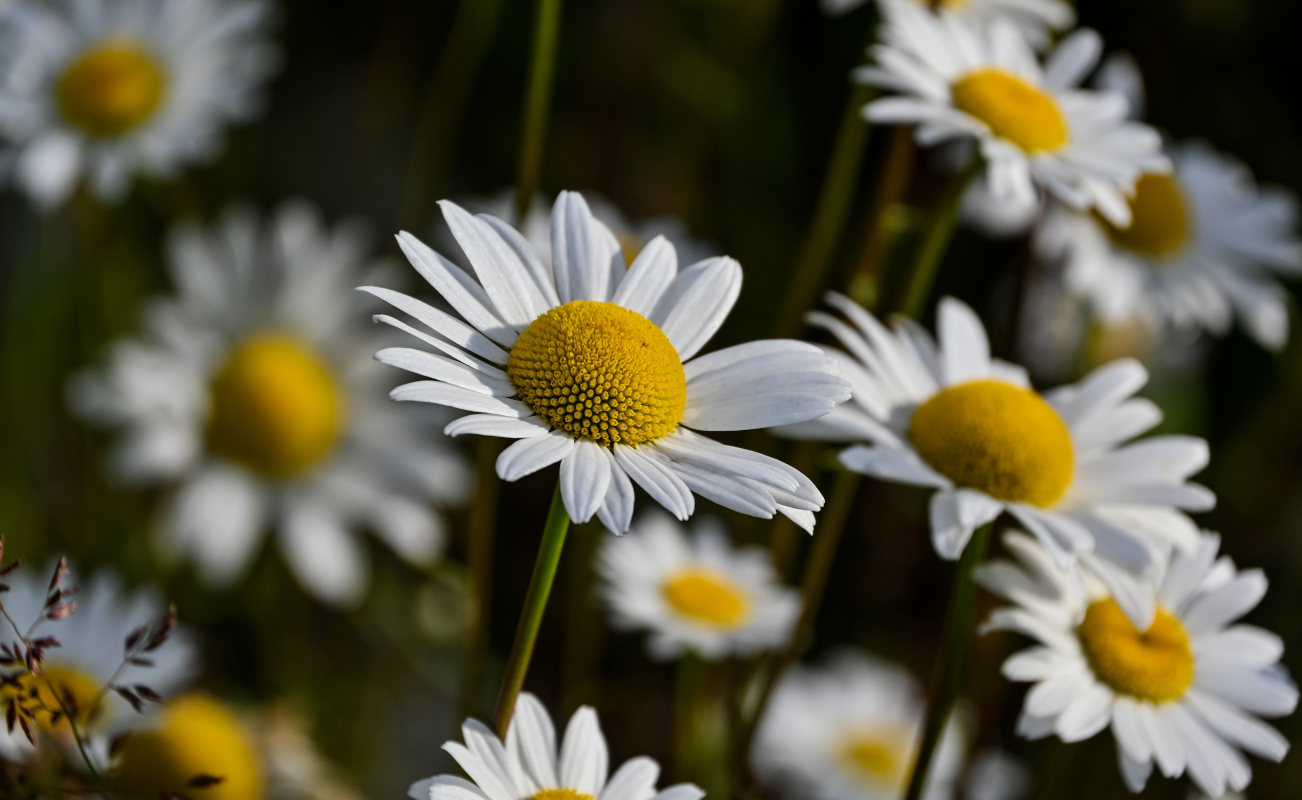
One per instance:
(251, 394)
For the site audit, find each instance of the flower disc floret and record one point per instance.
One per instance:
(561, 794)
(600, 371)
(111, 88)
(707, 597)
(876, 755)
(1013, 109)
(998, 438)
(1160, 222)
(1156, 665)
(58, 690)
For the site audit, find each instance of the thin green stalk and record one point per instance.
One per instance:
(865, 282)
(813, 586)
(950, 659)
(547, 29)
(940, 229)
(689, 694)
(535, 602)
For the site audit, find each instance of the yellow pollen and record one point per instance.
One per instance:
(1013, 109)
(1160, 223)
(877, 755)
(1156, 665)
(561, 794)
(599, 371)
(196, 736)
(708, 597)
(276, 407)
(111, 88)
(59, 687)
(998, 438)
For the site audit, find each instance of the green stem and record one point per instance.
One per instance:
(865, 284)
(535, 602)
(547, 28)
(689, 691)
(940, 229)
(480, 522)
(950, 658)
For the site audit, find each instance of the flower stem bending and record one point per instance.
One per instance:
(537, 103)
(535, 602)
(950, 658)
(936, 238)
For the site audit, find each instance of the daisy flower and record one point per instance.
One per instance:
(942, 414)
(1184, 693)
(252, 391)
(695, 592)
(849, 731)
(103, 89)
(90, 653)
(1035, 130)
(1037, 20)
(1205, 246)
(528, 766)
(593, 363)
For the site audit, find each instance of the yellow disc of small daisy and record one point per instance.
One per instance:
(111, 88)
(1160, 222)
(197, 736)
(1013, 108)
(708, 597)
(600, 371)
(998, 438)
(63, 690)
(877, 755)
(561, 794)
(276, 406)
(1156, 665)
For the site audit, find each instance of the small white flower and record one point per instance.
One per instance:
(103, 89)
(593, 363)
(530, 767)
(942, 414)
(849, 731)
(1036, 130)
(253, 391)
(1037, 20)
(1184, 693)
(695, 592)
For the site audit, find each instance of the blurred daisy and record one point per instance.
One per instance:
(941, 413)
(1204, 246)
(195, 736)
(849, 731)
(1037, 20)
(695, 592)
(1184, 693)
(593, 363)
(528, 767)
(91, 654)
(254, 392)
(104, 89)
(1035, 129)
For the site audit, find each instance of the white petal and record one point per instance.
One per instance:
(442, 323)
(585, 479)
(634, 780)
(324, 554)
(892, 464)
(458, 288)
(648, 277)
(532, 739)
(494, 425)
(527, 456)
(507, 283)
(657, 480)
(582, 251)
(964, 348)
(445, 394)
(616, 512)
(218, 517)
(697, 303)
(584, 760)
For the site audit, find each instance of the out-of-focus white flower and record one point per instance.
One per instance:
(104, 89)
(693, 591)
(254, 393)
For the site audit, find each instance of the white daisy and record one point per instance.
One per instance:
(1035, 129)
(1037, 20)
(1184, 694)
(593, 363)
(695, 592)
(849, 731)
(941, 413)
(253, 392)
(107, 88)
(528, 766)
(1205, 246)
(90, 652)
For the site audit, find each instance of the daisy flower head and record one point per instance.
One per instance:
(942, 414)
(529, 766)
(1036, 130)
(252, 392)
(1205, 245)
(694, 591)
(102, 89)
(91, 654)
(593, 363)
(849, 731)
(1184, 693)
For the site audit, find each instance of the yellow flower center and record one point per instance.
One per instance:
(57, 688)
(111, 88)
(1156, 665)
(877, 756)
(561, 794)
(196, 736)
(276, 407)
(707, 597)
(1160, 223)
(998, 438)
(600, 371)
(1013, 109)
